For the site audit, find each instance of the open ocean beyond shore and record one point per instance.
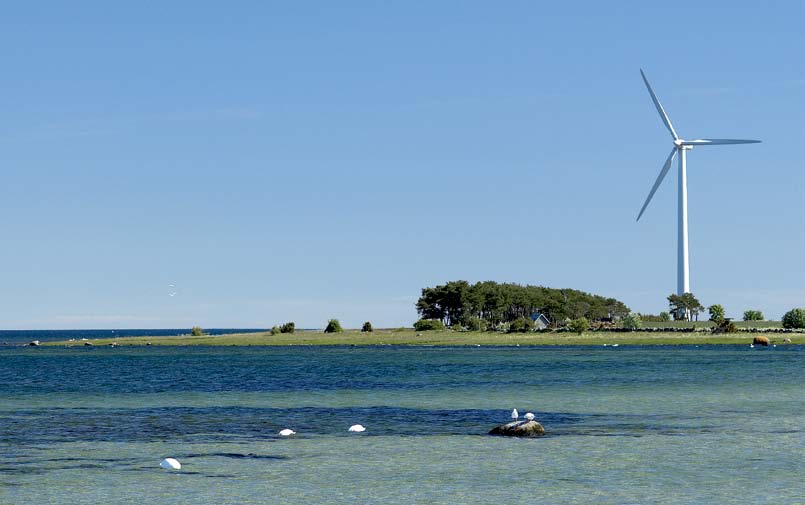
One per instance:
(16, 337)
(679, 424)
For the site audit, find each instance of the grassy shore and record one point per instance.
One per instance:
(446, 337)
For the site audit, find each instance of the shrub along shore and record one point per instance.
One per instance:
(407, 336)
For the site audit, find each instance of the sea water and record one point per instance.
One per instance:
(662, 424)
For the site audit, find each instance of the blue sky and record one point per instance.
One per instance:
(307, 160)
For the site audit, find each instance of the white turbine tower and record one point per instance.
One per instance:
(681, 146)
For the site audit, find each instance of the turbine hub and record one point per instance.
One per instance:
(678, 142)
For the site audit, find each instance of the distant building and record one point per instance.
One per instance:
(540, 321)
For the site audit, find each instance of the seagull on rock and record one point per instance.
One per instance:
(529, 416)
(170, 464)
(287, 432)
(515, 415)
(357, 428)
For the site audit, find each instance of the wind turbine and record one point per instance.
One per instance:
(681, 146)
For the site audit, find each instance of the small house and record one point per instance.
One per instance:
(540, 321)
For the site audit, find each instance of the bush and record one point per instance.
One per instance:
(457, 327)
(333, 326)
(725, 326)
(367, 326)
(428, 324)
(632, 321)
(196, 331)
(794, 318)
(664, 316)
(521, 325)
(289, 327)
(275, 330)
(579, 325)
(716, 313)
(475, 323)
(753, 315)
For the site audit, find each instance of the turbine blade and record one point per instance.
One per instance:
(657, 104)
(657, 183)
(715, 142)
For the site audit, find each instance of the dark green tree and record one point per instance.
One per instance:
(367, 326)
(196, 331)
(716, 313)
(794, 318)
(475, 323)
(288, 327)
(753, 315)
(684, 307)
(333, 326)
(521, 325)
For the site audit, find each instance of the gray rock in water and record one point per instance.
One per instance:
(34, 343)
(519, 429)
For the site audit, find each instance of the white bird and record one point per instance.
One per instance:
(680, 148)
(357, 428)
(615, 345)
(752, 346)
(170, 464)
(529, 416)
(515, 415)
(287, 432)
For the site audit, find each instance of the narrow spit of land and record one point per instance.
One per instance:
(445, 338)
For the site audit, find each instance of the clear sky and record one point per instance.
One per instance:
(305, 160)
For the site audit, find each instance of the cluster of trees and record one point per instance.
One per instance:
(333, 326)
(288, 327)
(687, 308)
(491, 303)
(684, 307)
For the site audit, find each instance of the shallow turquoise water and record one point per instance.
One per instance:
(682, 424)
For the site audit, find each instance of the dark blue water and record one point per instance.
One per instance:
(15, 337)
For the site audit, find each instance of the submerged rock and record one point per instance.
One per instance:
(519, 429)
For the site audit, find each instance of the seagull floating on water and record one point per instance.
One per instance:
(357, 428)
(170, 464)
(287, 432)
